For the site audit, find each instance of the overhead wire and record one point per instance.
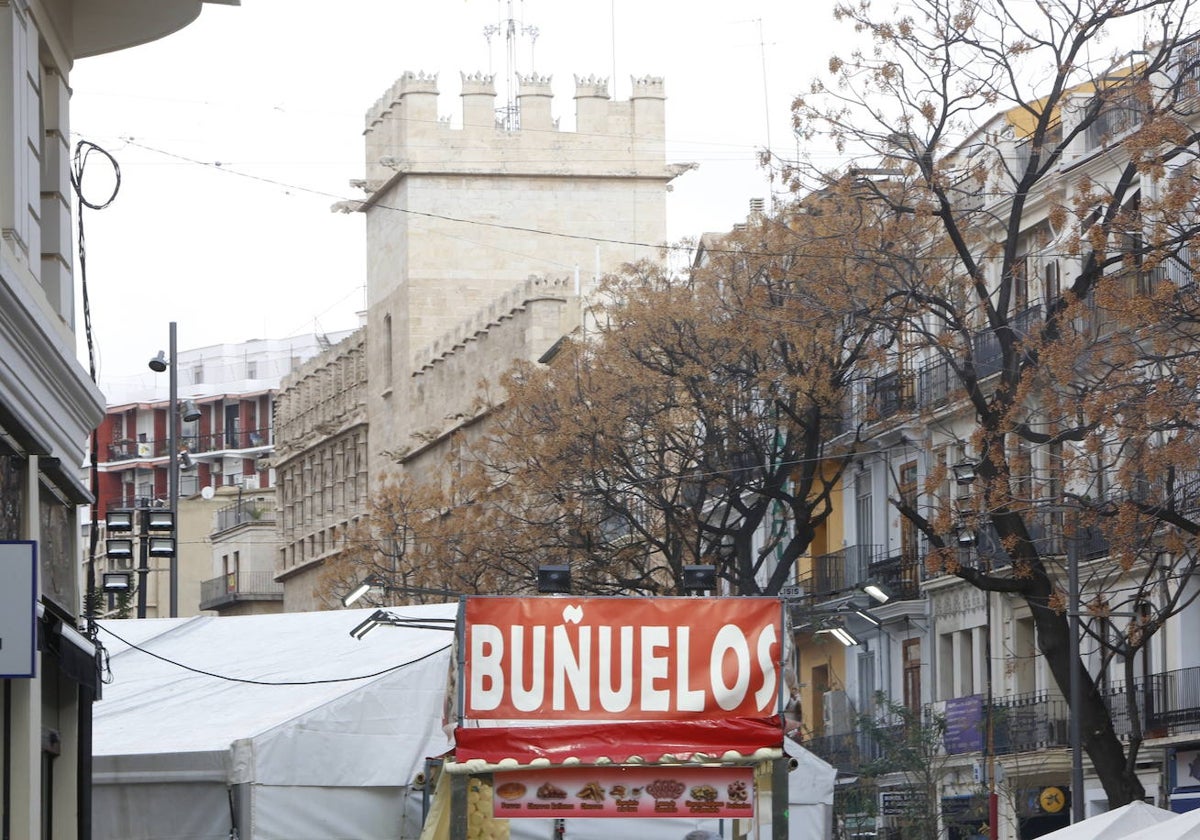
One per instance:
(684, 247)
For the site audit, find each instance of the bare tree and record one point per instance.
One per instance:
(1052, 187)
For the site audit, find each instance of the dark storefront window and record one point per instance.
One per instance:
(12, 494)
(56, 550)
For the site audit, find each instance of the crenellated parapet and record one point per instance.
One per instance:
(404, 136)
(479, 100)
(591, 87)
(492, 316)
(326, 393)
(648, 87)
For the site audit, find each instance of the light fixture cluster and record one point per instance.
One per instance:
(157, 539)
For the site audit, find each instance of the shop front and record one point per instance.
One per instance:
(617, 717)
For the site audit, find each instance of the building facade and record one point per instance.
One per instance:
(225, 443)
(48, 405)
(971, 660)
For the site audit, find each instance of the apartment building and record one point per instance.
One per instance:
(1090, 508)
(226, 538)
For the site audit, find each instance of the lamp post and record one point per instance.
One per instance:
(159, 364)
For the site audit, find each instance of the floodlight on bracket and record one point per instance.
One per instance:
(383, 617)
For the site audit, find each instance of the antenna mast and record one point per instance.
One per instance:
(507, 115)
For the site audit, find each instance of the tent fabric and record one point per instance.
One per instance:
(1113, 825)
(1185, 826)
(810, 794)
(264, 705)
(618, 743)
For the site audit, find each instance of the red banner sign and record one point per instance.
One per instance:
(625, 792)
(621, 658)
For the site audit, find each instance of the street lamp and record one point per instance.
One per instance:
(167, 362)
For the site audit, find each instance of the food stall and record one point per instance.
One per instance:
(642, 712)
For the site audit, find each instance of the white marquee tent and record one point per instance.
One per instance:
(1186, 826)
(188, 753)
(1115, 824)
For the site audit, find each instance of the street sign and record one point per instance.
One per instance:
(18, 609)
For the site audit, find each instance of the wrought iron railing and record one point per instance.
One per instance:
(936, 380)
(839, 570)
(1167, 702)
(900, 575)
(241, 512)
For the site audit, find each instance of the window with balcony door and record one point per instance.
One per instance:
(911, 657)
(863, 527)
(909, 538)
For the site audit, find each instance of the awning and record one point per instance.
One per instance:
(742, 740)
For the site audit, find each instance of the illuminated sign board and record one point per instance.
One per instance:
(568, 658)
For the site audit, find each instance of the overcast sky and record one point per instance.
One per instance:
(237, 134)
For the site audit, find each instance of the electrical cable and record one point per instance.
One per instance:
(83, 149)
(248, 681)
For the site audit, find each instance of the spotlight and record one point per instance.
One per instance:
(161, 546)
(844, 636)
(368, 624)
(878, 592)
(121, 549)
(190, 411)
(964, 473)
(554, 580)
(117, 582)
(159, 363)
(699, 579)
(356, 593)
(159, 519)
(119, 520)
(864, 614)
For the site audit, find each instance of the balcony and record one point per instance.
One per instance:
(230, 439)
(900, 575)
(1169, 703)
(937, 383)
(1048, 530)
(256, 512)
(888, 395)
(238, 587)
(838, 571)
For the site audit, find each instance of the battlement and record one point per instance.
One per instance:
(504, 308)
(591, 86)
(648, 87)
(403, 128)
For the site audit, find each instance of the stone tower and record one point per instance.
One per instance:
(460, 219)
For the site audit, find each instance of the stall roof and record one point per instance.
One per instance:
(200, 684)
(733, 741)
